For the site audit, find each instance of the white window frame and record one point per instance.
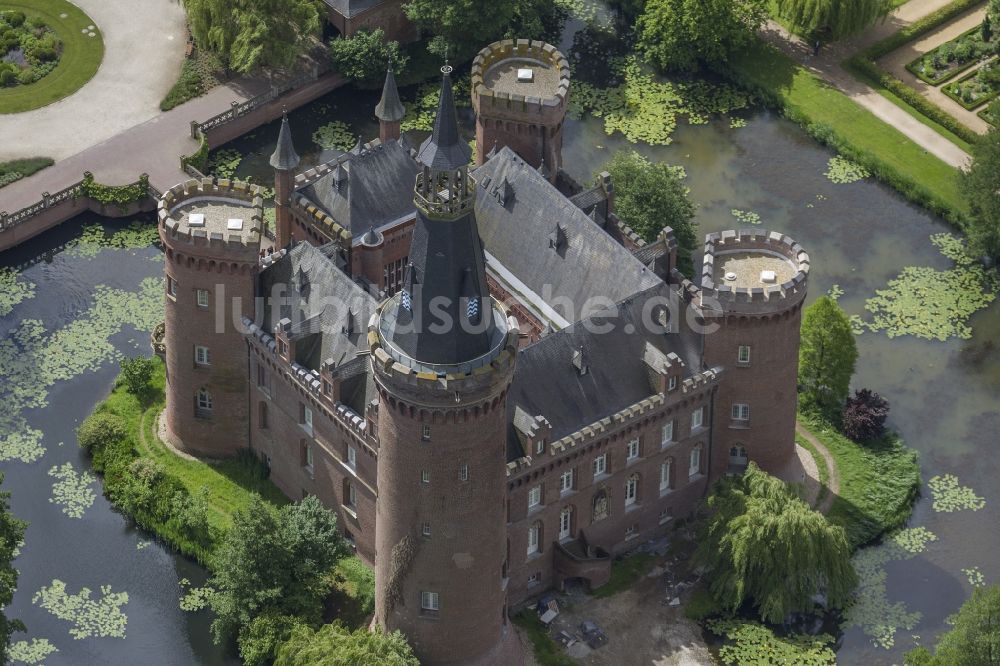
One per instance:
(600, 465)
(666, 471)
(309, 456)
(630, 532)
(430, 601)
(694, 461)
(741, 411)
(539, 447)
(425, 529)
(672, 383)
(463, 473)
(202, 355)
(535, 496)
(697, 418)
(667, 433)
(566, 481)
(743, 355)
(352, 456)
(534, 537)
(425, 432)
(171, 287)
(631, 490)
(307, 419)
(204, 400)
(633, 450)
(352, 495)
(425, 476)
(201, 296)
(565, 523)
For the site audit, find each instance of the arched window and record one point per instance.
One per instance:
(738, 456)
(601, 505)
(535, 538)
(667, 475)
(695, 462)
(631, 490)
(566, 523)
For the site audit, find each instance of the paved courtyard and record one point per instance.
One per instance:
(144, 48)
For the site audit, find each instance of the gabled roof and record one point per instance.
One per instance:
(547, 242)
(376, 188)
(329, 312)
(547, 382)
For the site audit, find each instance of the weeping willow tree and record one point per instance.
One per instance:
(249, 34)
(832, 19)
(765, 546)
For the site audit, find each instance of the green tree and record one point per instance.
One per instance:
(986, 29)
(827, 354)
(831, 20)
(680, 34)
(136, 373)
(333, 645)
(465, 26)
(974, 639)
(650, 196)
(260, 641)
(11, 538)
(274, 561)
(363, 57)
(764, 545)
(981, 186)
(250, 34)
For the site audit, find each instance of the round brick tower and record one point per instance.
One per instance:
(211, 232)
(753, 285)
(520, 92)
(443, 354)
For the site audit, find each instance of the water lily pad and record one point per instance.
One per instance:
(949, 496)
(33, 653)
(842, 171)
(90, 617)
(975, 577)
(746, 216)
(13, 290)
(73, 490)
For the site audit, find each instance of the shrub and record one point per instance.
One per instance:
(7, 77)
(864, 416)
(260, 641)
(136, 374)
(100, 430)
(26, 76)
(14, 19)
(701, 606)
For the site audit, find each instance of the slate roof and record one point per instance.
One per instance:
(284, 157)
(547, 383)
(389, 107)
(377, 190)
(544, 239)
(351, 8)
(445, 149)
(329, 312)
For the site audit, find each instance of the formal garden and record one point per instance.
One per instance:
(952, 58)
(48, 50)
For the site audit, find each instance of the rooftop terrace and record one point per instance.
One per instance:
(747, 269)
(523, 76)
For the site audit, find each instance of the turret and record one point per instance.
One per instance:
(389, 110)
(753, 285)
(284, 160)
(442, 354)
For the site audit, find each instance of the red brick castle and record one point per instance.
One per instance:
(489, 377)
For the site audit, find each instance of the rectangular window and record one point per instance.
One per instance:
(534, 497)
(566, 481)
(633, 449)
(202, 298)
(695, 466)
(202, 355)
(539, 447)
(326, 387)
(171, 287)
(463, 473)
(425, 476)
(262, 375)
(741, 412)
(426, 529)
(666, 516)
(429, 601)
(601, 464)
(630, 532)
(743, 356)
(204, 402)
(533, 534)
(631, 490)
(352, 495)
(307, 419)
(565, 524)
(672, 383)
(307, 454)
(282, 347)
(533, 580)
(666, 471)
(352, 456)
(667, 433)
(696, 418)
(425, 432)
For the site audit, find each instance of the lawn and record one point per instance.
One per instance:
(80, 59)
(625, 572)
(824, 473)
(547, 651)
(878, 482)
(831, 117)
(230, 483)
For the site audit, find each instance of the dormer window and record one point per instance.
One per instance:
(405, 301)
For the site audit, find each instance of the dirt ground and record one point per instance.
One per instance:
(643, 629)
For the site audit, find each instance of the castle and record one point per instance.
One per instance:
(494, 383)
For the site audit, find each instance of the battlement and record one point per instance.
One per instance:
(218, 215)
(497, 87)
(753, 271)
(330, 227)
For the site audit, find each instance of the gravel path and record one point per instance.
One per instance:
(833, 478)
(143, 51)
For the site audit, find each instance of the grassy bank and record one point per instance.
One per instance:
(879, 482)
(80, 59)
(624, 573)
(15, 170)
(148, 482)
(832, 118)
(547, 651)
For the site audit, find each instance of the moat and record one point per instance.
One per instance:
(859, 235)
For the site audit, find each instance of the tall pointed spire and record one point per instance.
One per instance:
(284, 157)
(445, 150)
(389, 108)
